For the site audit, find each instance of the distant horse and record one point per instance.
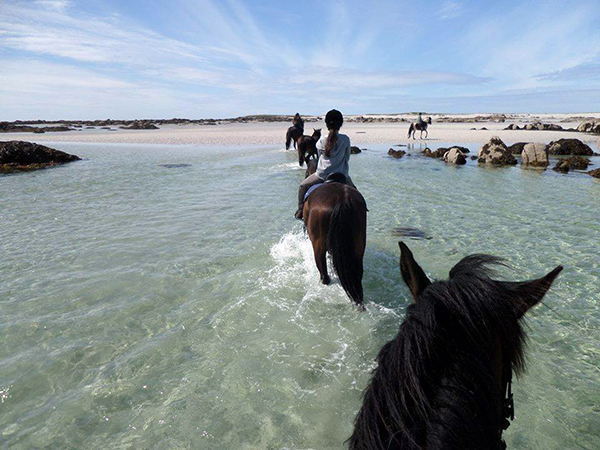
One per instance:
(422, 126)
(294, 133)
(307, 146)
(445, 381)
(335, 216)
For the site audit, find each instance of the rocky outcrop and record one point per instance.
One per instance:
(396, 153)
(439, 153)
(572, 163)
(20, 156)
(535, 155)
(517, 148)
(595, 173)
(590, 126)
(8, 127)
(569, 147)
(496, 153)
(355, 150)
(535, 126)
(455, 156)
(140, 125)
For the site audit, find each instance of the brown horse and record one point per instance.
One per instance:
(335, 216)
(294, 133)
(307, 146)
(444, 382)
(422, 126)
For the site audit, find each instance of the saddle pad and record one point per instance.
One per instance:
(312, 189)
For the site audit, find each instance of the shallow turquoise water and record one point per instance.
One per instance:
(152, 307)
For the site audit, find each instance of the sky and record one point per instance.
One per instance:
(124, 59)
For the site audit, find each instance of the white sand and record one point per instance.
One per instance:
(361, 134)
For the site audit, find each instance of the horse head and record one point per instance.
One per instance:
(316, 133)
(441, 382)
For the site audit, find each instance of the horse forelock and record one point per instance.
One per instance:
(436, 375)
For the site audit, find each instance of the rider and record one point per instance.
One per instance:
(420, 121)
(334, 154)
(298, 122)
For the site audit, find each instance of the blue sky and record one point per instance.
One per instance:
(222, 58)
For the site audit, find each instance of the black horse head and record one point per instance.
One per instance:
(441, 382)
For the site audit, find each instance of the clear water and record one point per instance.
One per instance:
(151, 307)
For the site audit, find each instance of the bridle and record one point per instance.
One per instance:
(508, 404)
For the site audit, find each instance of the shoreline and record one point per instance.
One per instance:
(273, 133)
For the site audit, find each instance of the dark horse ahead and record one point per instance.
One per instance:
(335, 216)
(422, 126)
(295, 133)
(307, 146)
(444, 382)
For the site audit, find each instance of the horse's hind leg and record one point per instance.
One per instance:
(320, 250)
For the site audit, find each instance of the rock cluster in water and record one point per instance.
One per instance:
(21, 156)
(355, 150)
(496, 153)
(569, 147)
(572, 163)
(8, 127)
(396, 153)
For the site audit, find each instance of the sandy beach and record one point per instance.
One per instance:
(361, 134)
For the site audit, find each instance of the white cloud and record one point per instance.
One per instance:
(450, 10)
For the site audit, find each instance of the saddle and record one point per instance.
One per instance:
(336, 177)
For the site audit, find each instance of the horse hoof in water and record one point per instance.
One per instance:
(325, 280)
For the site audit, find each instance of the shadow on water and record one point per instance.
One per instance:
(411, 233)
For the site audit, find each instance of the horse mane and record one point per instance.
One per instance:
(434, 386)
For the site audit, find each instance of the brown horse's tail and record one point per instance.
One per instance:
(410, 129)
(288, 139)
(346, 244)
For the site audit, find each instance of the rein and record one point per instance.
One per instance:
(508, 404)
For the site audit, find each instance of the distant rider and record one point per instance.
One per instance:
(298, 122)
(334, 153)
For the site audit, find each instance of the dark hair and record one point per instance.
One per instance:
(334, 121)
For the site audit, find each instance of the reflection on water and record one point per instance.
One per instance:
(152, 308)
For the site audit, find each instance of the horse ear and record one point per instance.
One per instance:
(412, 274)
(530, 293)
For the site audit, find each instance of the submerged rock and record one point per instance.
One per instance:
(572, 163)
(396, 153)
(535, 155)
(569, 147)
(455, 156)
(496, 153)
(595, 173)
(20, 156)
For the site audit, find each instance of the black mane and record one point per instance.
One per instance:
(434, 386)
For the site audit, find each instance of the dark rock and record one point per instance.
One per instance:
(355, 150)
(496, 153)
(483, 129)
(595, 173)
(512, 126)
(474, 158)
(439, 153)
(517, 148)
(20, 156)
(569, 147)
(572, 163)
(396, 153)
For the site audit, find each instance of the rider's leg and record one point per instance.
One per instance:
(304, 186)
